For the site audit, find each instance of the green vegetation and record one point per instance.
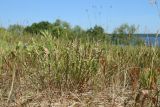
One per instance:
(61, 29)
(124, 35)
(67, 66)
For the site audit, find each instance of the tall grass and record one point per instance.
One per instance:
(129, 75)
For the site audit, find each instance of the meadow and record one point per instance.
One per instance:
(46, 71)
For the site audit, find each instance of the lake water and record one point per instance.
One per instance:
(150, 39)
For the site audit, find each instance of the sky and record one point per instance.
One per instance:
(86, 13)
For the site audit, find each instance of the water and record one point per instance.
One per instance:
(150, 39)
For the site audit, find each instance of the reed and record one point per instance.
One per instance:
(128, 75)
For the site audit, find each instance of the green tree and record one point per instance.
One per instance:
(16, 29)
(96, 33)
(60, 28)
(123, 34)
(78, 30)
(37, 27)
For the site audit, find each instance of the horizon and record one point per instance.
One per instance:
(85, 13)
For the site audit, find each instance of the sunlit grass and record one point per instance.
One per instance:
(47, 63)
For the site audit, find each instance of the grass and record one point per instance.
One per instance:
(40, 71)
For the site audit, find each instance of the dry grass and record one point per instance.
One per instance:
(62, 73)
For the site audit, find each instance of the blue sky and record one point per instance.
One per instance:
(86, 13)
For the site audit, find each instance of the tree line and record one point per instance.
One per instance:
(121, 35)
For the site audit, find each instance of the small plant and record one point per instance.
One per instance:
(148, 92)
(148, 79)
